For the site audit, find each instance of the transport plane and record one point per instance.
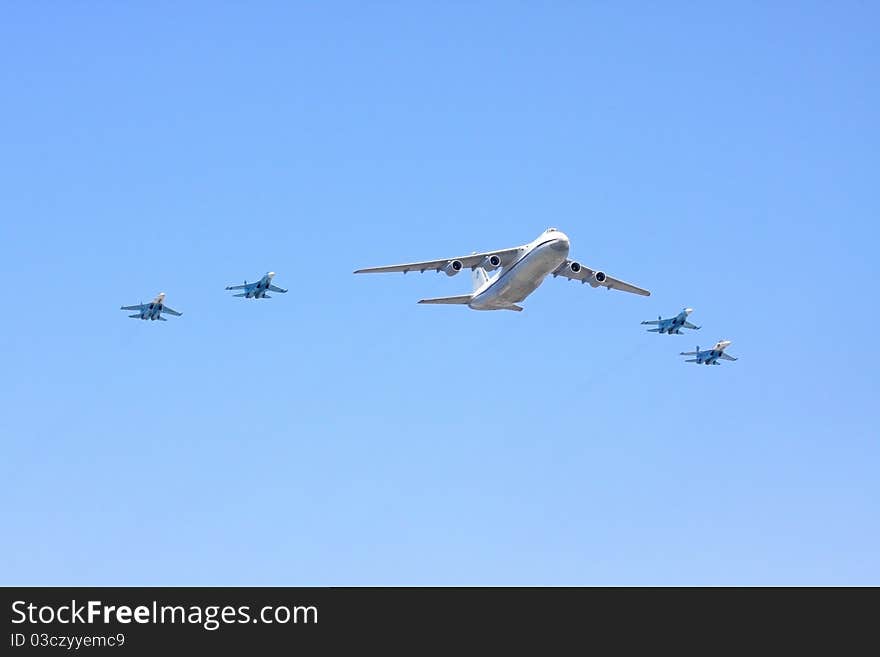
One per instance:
(518, 272)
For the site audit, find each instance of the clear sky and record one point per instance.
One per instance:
(725, 158)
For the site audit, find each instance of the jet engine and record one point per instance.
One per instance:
(575, 267)
(491, 262)
(597, 279)
(453, 267)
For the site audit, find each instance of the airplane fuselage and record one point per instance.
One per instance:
(258, 290)
(711, 356)
(673, 325)
(524, 275)
(708, 357)
(153, 310)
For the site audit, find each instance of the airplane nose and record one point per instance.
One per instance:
(560, 243)
(271, 274)
(689, 310)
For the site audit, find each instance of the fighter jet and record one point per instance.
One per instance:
(259, 289)
(709, 356)
(152, 310)
(520, 270)
(673, 324)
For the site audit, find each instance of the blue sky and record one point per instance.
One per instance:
(725, 158)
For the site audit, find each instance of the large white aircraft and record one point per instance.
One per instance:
(520, 270)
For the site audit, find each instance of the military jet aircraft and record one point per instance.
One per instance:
(259, 289)
(152, 310)
(673, 324)
(709, 356)
(520, 270)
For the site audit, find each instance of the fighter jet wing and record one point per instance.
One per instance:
(140, 306)
(170, 311)
(689, 325)
(503, 258)
(586, 275)
(727, 357)
(652, 322)
(238, 287)
(275, 288)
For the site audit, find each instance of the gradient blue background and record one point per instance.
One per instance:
(725, 158)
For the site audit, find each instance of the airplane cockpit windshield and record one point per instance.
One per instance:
(551, 230)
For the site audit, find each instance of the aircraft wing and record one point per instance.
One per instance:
(689, 353)
(170, 311)
(653, 321)
(238, 287)
(726, 356)
(275, 288)
(506, 256)
(690, 326)
(140, 306)
(587, 275)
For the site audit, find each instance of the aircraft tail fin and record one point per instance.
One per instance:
(653, 330)
(463, 299)
(239, 295)
(479, 278)
(135, 316)
(691, 360)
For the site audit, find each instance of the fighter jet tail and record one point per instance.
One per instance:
(652, 330)
(135, 316)
(239, 295)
